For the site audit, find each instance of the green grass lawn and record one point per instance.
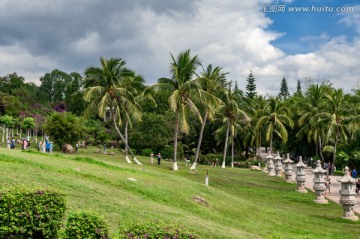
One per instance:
(242, 203)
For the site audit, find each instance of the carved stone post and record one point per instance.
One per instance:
(319, 183)
(288, 169)
(300, 176)
(270, 165)
(347, 198)
(278, 165)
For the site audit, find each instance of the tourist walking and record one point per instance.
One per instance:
(47, 147)
(159, 158)
(354, 173)
(12, 145)
(43, 147)
(8, 143)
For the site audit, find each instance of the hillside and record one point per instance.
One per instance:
(242, 203)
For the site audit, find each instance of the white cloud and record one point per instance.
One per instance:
(232, 34)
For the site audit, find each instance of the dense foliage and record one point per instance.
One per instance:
(184, 111)
(85, 224)
(64, 128)
(154, 229)
(31, 213)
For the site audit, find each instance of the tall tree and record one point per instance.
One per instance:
(250, 86)
(275, 119)
(337, 117)
(230, 114)
(298, 89)
(284, 91)
(310, 107)
(184, 89)
(52, 86)
(103, 92)
(135, 86)
(212, 79)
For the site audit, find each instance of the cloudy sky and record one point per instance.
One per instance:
(319, 40)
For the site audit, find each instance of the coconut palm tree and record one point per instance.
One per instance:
(336, 116)
(310, 107)
(275, 119)
(211, 79)
(135, 86)
(185, 88)
(103, 91)
(231, 115)
(255, 108)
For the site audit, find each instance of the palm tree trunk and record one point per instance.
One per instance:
(126, 137)
(320, 150)
(271, 143)
(232, 150)
(259, 144)
(122, 138)
(335, 145)
(193, 166)
(3, 134)
(7, 133)
(175, 167)
(226, 144)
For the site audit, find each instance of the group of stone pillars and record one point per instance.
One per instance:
(347, 191)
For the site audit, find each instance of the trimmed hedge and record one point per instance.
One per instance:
(85, 224)
(154, 229)
(31, 213)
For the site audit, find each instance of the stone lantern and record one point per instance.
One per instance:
(319, 183)
(300, 176)
(270, 165)
(288, 169)
(347, 198)
(278, 165)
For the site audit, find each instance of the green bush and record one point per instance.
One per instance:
(30, 213)
(154, 229)
(146, 152)
(85, 224)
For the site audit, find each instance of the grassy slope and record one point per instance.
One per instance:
(243, 204)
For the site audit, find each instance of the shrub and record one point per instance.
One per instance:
(146, 152)
(30, 213)
(154, 229)
(85, 224)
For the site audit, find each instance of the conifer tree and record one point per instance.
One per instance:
(284, 91)
(251, 86)
(298, 89)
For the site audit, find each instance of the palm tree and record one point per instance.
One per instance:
(275, 119)
(135, 86)
(310, 107)
(211, 78)
(231, 114)
(336, 117)
(103, 91)
(255, 108)
(184, 91)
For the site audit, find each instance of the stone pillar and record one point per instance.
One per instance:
(347, 198)
(319, 183)
(270, 165)
(278, 165)
(288, 169)
(300, 176)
